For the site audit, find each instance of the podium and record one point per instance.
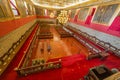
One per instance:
(100, 72)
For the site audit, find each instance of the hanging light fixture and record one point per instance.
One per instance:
(63, 17)
(52, 15)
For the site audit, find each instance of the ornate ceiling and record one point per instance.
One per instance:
(58, 4)
(66, 4)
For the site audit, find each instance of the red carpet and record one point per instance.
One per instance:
(73, 67)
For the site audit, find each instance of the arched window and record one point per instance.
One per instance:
(14, 7)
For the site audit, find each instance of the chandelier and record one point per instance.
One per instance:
(52, 15)
(63, 17)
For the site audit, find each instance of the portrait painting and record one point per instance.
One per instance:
(104, 13)
(83, 13)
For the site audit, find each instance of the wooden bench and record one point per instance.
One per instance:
(104, 45)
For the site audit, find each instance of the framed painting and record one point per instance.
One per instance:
(83, 13)
(105, 13)
(72, 13)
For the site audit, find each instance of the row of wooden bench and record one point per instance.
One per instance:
(90, 46)
(94, 52)
(62, 32)
(24, 62)
(104, 45)
(39, 67)
(45, 32)
(45, 22)
(29, 52)
(45, 35)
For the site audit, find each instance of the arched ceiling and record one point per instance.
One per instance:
(60, 4)
(67, 4)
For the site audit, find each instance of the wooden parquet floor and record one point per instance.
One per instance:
(60, 47)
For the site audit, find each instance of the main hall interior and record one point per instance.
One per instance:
(59, 39)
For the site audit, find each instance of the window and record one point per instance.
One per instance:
(45, 12)
(14, 8)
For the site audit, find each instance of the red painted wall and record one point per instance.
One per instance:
(116, 24)
(8, 26)
(89, 18)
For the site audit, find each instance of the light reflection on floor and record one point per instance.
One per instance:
(55, 38)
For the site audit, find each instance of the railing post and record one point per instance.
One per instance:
(18, 71)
